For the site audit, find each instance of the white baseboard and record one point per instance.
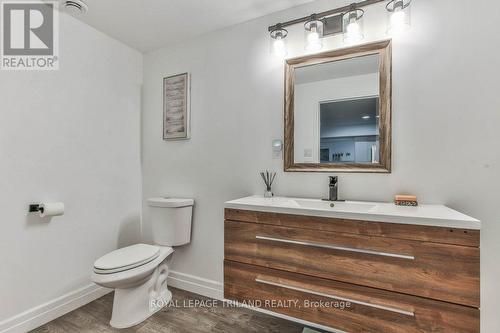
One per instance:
(214, 289)
(196, 284)
(51, 310)
(58, 307)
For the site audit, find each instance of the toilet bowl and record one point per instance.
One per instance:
(139, 272)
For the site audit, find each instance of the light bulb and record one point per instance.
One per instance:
(313, 41)
(279, 49)
(398, 22)
(353, 29)
(313, 36)
(353, 33)
(398, 19)
(313, 32)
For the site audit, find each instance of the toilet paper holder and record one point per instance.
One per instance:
(35, 208)
(47, 209)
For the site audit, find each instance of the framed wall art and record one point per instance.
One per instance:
(176, 107)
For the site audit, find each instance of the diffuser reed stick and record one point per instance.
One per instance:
(268, 178)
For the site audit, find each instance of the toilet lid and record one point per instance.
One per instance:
(127, 257)
(170, 202)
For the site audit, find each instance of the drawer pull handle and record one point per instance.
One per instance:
(335, 247)
(307, 291)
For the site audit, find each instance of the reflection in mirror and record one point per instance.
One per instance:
(336, 111)
(349, 130)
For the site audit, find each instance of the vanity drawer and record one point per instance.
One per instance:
(438, 271)
(341, 305)
(442, 235)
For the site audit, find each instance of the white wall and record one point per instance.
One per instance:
(306, 104)
(446, 123)
(71, 135)
(351, 130)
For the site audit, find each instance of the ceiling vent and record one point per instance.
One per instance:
(75, 7)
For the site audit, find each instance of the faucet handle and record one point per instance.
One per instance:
(333, 180)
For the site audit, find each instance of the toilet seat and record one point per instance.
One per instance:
(126, 258)
(131, 276)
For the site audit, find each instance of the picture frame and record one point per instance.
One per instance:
(176, 107)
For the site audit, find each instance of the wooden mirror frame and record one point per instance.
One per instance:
(384, 50)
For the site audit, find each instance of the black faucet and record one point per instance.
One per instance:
(333, 194)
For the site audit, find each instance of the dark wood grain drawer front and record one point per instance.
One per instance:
(438, 271)
(343, 306)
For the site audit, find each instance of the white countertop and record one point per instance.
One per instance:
(430, 215)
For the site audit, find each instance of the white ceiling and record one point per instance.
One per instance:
(147, 25)
(349, 112)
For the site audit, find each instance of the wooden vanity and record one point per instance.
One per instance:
(355, 270)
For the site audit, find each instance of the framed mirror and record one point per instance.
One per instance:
(338, 110)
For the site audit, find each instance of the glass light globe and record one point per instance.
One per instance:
(278, 47)
(353, 27)
(313, 30)
(399, 16)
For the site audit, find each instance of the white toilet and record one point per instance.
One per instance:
(138, 273)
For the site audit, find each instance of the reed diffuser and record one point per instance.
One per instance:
(268, 178)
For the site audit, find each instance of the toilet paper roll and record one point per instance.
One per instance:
(51, 209)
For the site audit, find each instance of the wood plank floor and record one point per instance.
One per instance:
(94, 317)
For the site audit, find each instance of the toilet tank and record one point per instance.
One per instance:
(171, 220)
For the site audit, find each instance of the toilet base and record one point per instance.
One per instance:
(131, 306)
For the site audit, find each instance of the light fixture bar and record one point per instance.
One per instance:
(322, 15)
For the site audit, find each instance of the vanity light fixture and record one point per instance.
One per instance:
(353, 25)
(398, 16)
(278, 41)
(347, 20)
(313, 31)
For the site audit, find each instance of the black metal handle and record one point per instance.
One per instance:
(333, 180)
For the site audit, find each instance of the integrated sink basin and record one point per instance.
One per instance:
(340, 206)
(431, 215)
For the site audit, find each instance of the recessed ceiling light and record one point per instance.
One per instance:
(366, 117)
(76, 7)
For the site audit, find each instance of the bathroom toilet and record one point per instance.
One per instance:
(139, 272)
